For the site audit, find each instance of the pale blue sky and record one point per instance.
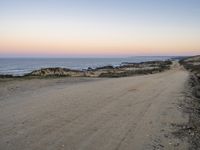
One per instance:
(168, 11)
(111, 20)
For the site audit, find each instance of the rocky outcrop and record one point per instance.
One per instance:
(128, 69)
(6, 76)
(125, 69)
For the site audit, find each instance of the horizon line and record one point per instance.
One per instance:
(92, 57)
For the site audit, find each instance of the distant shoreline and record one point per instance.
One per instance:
(21, 66)
(124, 69)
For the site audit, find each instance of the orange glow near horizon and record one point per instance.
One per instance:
(95, 47)
(65, 28)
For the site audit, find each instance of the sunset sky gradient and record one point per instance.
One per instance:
(99, 28)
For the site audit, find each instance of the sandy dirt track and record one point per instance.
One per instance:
(131, 113)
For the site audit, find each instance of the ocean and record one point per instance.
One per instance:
(21, 66)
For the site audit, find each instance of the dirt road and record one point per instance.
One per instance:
(132, 113)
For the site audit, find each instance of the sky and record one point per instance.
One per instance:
(99, 28)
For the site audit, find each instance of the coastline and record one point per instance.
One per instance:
(21, 66)
(125, 69)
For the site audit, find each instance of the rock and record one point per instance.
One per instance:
(104, 67)
(6, 76)
(197, 91)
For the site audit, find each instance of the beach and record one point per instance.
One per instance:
(138, 112)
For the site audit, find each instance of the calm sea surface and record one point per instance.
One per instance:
(20, 66)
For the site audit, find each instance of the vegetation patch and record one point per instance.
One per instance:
(124, 70)
(192, 103)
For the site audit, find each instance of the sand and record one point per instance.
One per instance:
(130, 113)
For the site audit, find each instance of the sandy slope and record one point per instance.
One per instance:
(131, 113)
